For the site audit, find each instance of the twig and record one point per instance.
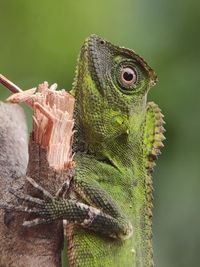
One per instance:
(10, 85)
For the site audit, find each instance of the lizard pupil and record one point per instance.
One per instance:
(128, 77)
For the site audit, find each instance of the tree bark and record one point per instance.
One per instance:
(49, 165)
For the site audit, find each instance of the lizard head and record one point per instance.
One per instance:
(110, 88)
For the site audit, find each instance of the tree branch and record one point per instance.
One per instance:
(50, 164)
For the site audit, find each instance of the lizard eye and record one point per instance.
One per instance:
(128, 77)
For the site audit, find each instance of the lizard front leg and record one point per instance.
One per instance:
(98, 213)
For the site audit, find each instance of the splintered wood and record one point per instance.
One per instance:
(52, 122)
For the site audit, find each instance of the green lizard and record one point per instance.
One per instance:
(118, 138)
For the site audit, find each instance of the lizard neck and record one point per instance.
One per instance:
(124, 148)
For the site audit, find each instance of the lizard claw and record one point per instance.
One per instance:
(36, 222)
(39, 207)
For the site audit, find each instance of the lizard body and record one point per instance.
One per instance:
(118, 138)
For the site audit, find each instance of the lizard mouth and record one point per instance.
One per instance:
(89, 62)
(92, 52)
(89, 48)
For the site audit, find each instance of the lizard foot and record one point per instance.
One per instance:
(39, 207)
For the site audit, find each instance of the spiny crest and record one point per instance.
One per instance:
(153, 135)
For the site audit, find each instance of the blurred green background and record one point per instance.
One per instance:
(40, 40)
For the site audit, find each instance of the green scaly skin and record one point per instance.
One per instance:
(118, 138)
